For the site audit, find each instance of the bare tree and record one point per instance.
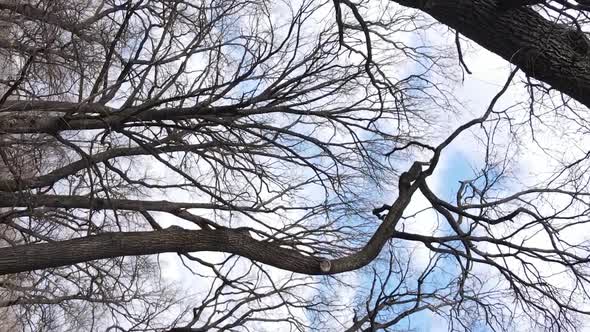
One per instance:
(240, 135)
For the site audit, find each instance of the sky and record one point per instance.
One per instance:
(464, 157)
(459, 162)
(489, 73)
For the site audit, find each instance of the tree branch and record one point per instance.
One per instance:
(538, 46)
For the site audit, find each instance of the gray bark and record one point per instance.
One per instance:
(543, 49)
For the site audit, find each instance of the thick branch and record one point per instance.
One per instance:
(93, 203)
(541, 48)
(107, 245)
(109, 118)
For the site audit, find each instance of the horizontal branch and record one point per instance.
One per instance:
(97, 116)
(108, 245)
(53, 106)
(94, 203)
(76, 166)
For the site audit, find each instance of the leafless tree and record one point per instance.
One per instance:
(258, 142)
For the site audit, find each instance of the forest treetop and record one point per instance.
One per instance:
(246, 136)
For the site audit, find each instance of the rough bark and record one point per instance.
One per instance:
(40, 256)
(21, 117)
(8, 200)
(107, 245)
(541, 48)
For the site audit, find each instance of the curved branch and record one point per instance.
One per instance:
(107, 245)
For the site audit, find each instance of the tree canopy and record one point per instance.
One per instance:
(178, 165)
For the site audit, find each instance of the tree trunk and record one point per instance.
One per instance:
(549, 52)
